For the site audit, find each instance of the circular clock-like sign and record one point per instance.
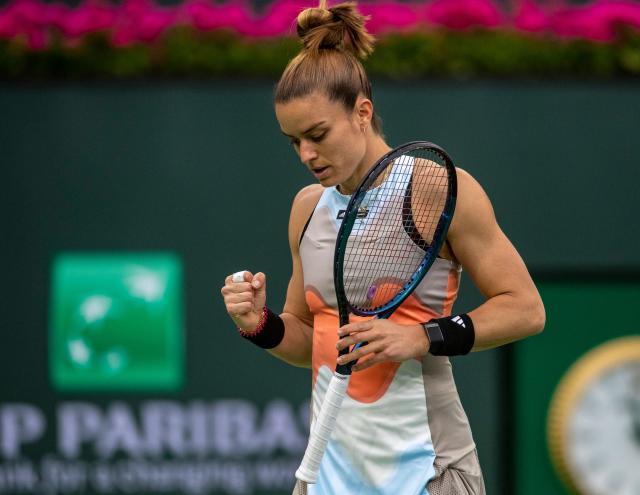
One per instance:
(594, 421)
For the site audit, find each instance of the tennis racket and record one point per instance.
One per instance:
(393, 228)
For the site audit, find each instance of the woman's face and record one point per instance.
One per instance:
(328, 138)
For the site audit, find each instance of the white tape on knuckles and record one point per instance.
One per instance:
(238, 276)
(323, 428)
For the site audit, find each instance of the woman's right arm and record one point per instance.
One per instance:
(245, 300)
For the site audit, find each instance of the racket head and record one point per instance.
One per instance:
(417, 179)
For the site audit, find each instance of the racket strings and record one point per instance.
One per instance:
(396, 226)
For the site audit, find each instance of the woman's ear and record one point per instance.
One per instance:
(364, 111)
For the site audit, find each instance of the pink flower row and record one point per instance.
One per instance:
(135, 21)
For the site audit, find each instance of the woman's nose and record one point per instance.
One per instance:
(307, 152)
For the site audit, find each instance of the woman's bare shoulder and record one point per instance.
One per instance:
(310, 193)
(303, 205)
(306, 200)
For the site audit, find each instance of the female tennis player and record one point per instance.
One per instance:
(401, 428)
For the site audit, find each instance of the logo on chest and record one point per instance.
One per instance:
(362, 213)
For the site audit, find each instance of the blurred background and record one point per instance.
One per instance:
(141, 164)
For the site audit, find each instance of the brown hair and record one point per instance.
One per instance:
(333, 39)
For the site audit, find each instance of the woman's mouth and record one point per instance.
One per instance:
(320, 172)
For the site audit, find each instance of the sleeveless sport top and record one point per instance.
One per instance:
(397, 418)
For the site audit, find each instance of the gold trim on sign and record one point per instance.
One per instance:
(603, 358)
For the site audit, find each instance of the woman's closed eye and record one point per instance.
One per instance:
(316, 138)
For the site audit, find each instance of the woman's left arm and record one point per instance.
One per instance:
(513, 308)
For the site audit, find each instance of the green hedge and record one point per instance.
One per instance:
(185, 53)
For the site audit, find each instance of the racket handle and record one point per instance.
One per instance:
(322, 429)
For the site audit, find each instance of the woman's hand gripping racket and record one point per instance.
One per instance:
(393, 228)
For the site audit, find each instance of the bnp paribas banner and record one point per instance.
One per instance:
(118, 416)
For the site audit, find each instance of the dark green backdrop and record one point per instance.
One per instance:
(201, 170)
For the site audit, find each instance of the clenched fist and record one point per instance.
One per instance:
(245, 296)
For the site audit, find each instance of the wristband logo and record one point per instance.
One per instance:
(459, 321)
(115, 322)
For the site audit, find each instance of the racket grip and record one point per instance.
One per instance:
(322, 429)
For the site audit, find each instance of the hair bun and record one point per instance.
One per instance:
(312, 18)
(339, 27)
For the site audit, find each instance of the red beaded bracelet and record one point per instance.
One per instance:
(269, 332)
(258, 329)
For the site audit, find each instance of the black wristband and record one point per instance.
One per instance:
(269, 333)
(450, 336)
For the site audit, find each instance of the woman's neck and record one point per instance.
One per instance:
(376, 148)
